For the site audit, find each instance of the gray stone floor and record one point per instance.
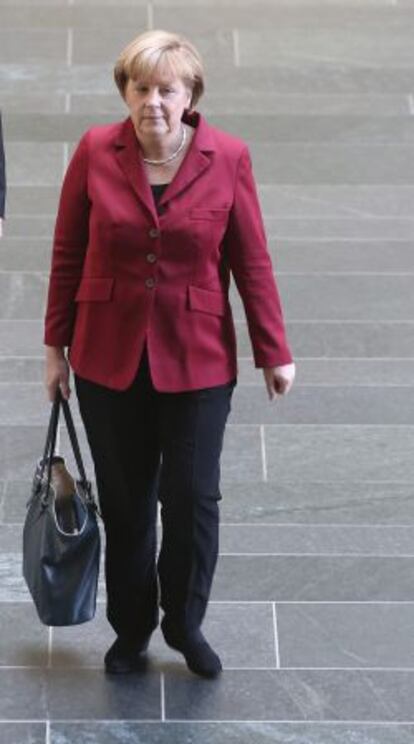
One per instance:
(312, 607)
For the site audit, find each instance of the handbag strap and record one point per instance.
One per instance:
(74, 440)
(51, 432)
(50, 443)
(50, 446)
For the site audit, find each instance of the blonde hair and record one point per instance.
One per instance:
(161, 53)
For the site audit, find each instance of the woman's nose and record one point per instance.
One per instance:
(153, 97)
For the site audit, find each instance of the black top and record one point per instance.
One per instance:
(157, 191)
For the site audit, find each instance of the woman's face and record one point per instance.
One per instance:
(156, 106)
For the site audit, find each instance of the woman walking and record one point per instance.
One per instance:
(155, 213)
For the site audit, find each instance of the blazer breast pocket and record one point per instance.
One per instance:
(217, 214)
(209, 224)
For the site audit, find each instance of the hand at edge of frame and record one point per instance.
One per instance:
(279, 380)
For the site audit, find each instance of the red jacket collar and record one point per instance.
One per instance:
(196, 160)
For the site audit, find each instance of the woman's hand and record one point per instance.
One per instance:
(279, 380)
(56, 372)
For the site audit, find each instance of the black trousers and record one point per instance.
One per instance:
(148, 445)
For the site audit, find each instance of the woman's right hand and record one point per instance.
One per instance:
(56, 372)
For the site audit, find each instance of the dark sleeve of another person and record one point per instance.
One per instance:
(2, 175)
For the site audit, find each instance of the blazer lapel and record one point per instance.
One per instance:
(197, 158)
(129, 156)
(196, 161)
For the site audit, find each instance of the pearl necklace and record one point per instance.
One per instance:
(174, 155)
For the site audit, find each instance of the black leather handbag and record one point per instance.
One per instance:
(61, 540)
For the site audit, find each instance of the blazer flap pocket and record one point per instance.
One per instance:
(212, 213)
(207, 300)
(95, 289)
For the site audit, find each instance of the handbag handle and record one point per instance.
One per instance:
(50, 445)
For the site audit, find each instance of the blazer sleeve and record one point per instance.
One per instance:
(69, 247)
(2, 175)
(251, 266)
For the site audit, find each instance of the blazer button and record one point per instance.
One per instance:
(154, 232)
(151, 257)
(150, 282)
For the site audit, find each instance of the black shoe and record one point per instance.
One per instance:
(199, 655)
(124, 657)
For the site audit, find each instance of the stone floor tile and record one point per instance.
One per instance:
(21, 254)
(316, 539)
(307, 452)
(360, 635)
(346, 340)
(23, 295)
(10, 537)
(78, 694)
(313, 579)
(61, 16)
(37, 225)
(342, 695)
(22, 733)
(318, 502)
(341, 255)
(233, 102)
(47, 127)
(32, 102)
(332, 164)
(358, 405)
(44, 79)
(12, 584)
(30, 47)
(232, 733)
(389, 228)
(34, 164)
(25, 201)
(21, 338)
(90, 103)
(317, 128)
(20, 449)
(356, 297)
(23, 639)
(343, 41)
(94, 695)
(14, 369)
(214, 47)
(328, 201)
(319, 16)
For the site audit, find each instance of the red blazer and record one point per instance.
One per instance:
(121, 274)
